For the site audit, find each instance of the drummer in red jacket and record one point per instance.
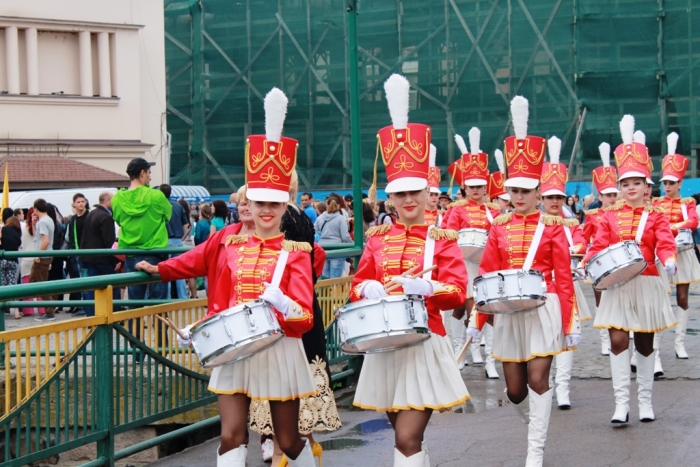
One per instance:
(526, 341)
(681, 214)
(639, 305)
(474, 212)
(240, 269)
(410, 382)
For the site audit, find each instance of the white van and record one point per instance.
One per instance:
(62, 199)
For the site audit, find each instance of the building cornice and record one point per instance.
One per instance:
(47, 24)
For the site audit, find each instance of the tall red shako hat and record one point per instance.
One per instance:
(270, 158)
(524, 153)
(605, 176)
(475, 163)
(641, 138)
(433, 172)
(631, 158)
(554, 174)
(497, 180)
(674, 165)
(405, 146)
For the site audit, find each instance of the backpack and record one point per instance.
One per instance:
(58, 236)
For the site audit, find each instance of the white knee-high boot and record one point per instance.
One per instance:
(304, 459)
(416, 460)
(523, 408)
(633, 354)
(458, 336)
(658, 369)
(476, 350)
(233, 458)
(620, 369)
(490, 366)
(604, 340)
(682, 317)
(645, 383)
(540, 410)
(565, 362)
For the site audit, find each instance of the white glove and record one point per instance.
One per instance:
(187, 340)
(473, 333)
(373, 289)
(670, 267)
(415, 286)
(275, 297)
(580, 273)
(573, 340)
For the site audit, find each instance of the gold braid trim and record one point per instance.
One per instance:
(236, 239)
(570, 222)
(591, 212)
(443, 234)
(378, 230)
(493, 206)
(654, 209)
(503, 219)
(461, 202)
(290, 246)
(687, 200)
(548, 219)
(617, 206)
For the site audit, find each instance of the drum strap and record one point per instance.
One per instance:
(567, 231)
(536, 239)
(489, 216)
(429, 254)
(684, 211)
(640, 228)
(279, 268)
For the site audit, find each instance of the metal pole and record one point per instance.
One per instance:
(578, 136)
(355, 140)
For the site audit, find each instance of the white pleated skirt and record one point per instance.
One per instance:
(522, 336)
(584, 313)
(688, 268)
(423, 376)
(279, 373)
(472, 272)
(641, 305)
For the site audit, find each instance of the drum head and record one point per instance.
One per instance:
(620, 276)
(243, 350)
(514, 305)
(385, 342)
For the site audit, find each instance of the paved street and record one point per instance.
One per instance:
(488, 433)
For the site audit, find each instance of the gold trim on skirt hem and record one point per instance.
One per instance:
(620, 328)
(412, 407)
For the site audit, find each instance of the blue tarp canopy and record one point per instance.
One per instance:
(190, 193)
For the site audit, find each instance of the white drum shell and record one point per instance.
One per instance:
(684, 240)
(235, 333)
(383, 324)
(509, 291)
(616, 265)
(472, 243)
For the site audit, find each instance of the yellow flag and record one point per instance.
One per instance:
(6, 189)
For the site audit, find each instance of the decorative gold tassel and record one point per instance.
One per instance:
(372, 192)
(571, 222)
(617, 206)
(503, 219)
(290, 246)
(378, 230)
(548, 219)
(443, 234)
(236, 239)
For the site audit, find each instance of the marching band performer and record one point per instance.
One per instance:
(681, 215)
(553, 190)
(526, 341)
(394, 382)
(640, 304)
(497, 189)
(243, 268)
(605, 179)
(432, 214)
(474, 212)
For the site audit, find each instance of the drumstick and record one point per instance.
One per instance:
(396, 285)
(172, 325)
(410, 271)
(463, 352)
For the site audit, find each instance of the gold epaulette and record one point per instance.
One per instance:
(591, 212)
(503, 219)
(456, 204)
(570, 222)
(658, 209)
(688, 200)
(290, 246)
(617, 206)
(548, 219)
(443, 234)
(236, 239)
(493, 206)
(657, 199)
(378, 230)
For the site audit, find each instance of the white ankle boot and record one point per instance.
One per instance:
(419, 459)
(565, 362)
(620, 369)
(523, 408)
(540, 410)
(458, 335)
(233, 458)
(304, 459)
(604, 341)
(682, 317)
(658, 369)
(475, 348)
(490, 366)
(645, 382)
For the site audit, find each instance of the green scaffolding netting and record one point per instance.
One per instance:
(466, 59)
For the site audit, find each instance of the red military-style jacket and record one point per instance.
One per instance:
(508, 245)
(674, 212)
(620, 223)
(236, 267)
(590, 225)
(468, 214)
(432, 217)
(393, 249)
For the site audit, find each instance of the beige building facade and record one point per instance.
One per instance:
(85, 80)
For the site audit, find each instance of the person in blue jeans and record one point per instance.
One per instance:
(176, 230)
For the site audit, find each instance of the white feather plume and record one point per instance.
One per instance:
(639, 137)
(396, 89)
(499, 160)
(275, 113)
(627, 129)
(519, 113)
(461, 145)
(475, 140)
(604, 149)
(672, 142)
(554, 147)
(433, 155)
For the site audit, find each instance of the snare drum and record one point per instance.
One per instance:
(684, 240)
(616, 265)
(235, 333)
(383, 324)
(472, 243)
(509, 291)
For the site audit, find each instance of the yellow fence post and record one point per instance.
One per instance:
(103, 302)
